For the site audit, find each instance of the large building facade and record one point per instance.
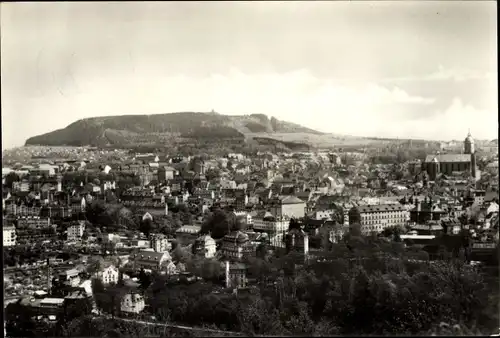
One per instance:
(375, 218)
(449, 163)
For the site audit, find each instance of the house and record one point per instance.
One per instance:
(132, 303)
(235, 275)
(265, 221)
(44, 306)
(290, 206)
(237, 245)
(108, 274)
(33, 222)
(205, 245)
(75, 231)
(150, 260)
(425, 211)
(377, 217)
(187, 234)
(160, 243)
(70, 277)
(78, 203)
(297, 240)
(9, 235)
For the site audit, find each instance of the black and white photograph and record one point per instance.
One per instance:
(250, 168)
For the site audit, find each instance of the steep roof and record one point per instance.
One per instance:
(290, 200)
(446, 158)
(150, 255)
(380, 208)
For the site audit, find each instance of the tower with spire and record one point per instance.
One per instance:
(469, 144)
(469, 149)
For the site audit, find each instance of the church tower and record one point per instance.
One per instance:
(469, 144)
(469, 149)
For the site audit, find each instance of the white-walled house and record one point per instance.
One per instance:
(132, 303)
(109, 275)
(75, 231)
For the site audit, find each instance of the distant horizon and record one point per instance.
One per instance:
(269, 116)
(391, 69)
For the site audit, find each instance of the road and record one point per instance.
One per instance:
(158, 324)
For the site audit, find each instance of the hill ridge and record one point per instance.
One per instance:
(124, 130)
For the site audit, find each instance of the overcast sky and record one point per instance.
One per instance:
(423, 69)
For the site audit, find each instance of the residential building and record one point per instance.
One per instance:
(377, 217)
(425, 211)
(22, 210)
(237, 245)
(289, 206)
(160, 243)
(33, 222)
(268, 223)
(235, 275)
(70, 277)
(9, 235)
(297, 240)
(150, 260)
(132, 303)
(108, 275)
(75, 231)
(205, 245)
(187, 234)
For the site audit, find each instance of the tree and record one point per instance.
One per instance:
(355, 230)
(219, 224)
(181, 255)
(10, 178)
(94, 264)
(146, 226)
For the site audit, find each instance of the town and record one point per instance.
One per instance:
(259, 242)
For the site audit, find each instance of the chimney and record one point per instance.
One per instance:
(228, 283)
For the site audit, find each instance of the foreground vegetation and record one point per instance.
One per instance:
(362, 286)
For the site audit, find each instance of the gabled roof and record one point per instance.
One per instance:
(290, 200)
(446, 158)
(379, 208)
(150, 255)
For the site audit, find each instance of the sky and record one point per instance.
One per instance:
(407, 69)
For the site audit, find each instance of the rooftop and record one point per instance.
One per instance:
(380, 208)
(446, 158)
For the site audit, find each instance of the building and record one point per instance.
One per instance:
(205, 245)
(425, 211)
(297, 240)
(33, 222)
(235, 275)
(75, 231)
(150, 260)
(187, 234)
(237, 245)
(160, 243)
(377, 217)
(132, 303)
(289, 206)
(9, 235)
(449, 163)
(165, 173)
(70, 277)
(268, 223)
(22, 210)
(108, 275)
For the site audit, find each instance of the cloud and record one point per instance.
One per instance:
(326, 105)
(450, 123)
(445, 74)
